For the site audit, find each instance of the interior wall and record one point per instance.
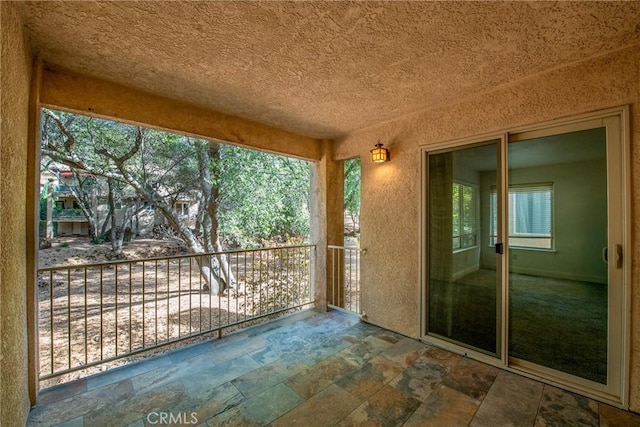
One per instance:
(579, 223)
(14, 108)
(390, 221)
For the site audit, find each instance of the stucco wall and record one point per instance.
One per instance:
(14, 89)
(326, 202)
(390, 191)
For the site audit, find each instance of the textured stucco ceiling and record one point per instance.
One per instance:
(324, 69)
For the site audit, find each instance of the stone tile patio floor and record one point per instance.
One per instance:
(316, 369)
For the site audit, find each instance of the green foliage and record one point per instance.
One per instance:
(260, 196)
(352, 197)
(64, 244)
(44, 194)
(352, 186)
(98, 240)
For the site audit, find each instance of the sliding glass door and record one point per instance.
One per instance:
(524, 238)
(565, 222)
(464, 287)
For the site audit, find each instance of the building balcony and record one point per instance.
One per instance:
(62, 190)
(69, 215)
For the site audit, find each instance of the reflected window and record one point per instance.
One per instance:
(464, 216)
(530, 216)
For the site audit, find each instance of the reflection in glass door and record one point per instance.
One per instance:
(463, 286)
(558, 282)
(524, 241)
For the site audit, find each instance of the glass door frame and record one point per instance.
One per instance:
(501, 356)
(616, 121)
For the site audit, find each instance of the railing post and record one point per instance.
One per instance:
(344, 278)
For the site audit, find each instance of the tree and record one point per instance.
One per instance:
(352, 191)
(244, 197)
(130, 206)
(262, 196)
(158, 167)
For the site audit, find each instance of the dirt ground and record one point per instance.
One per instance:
(80, 250)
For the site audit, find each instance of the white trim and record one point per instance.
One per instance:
(627, 230)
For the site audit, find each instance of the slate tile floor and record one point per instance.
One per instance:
(316, 369)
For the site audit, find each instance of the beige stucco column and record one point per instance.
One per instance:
(15, 81)
(327, 215)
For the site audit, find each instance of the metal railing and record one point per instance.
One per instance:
(93, 314)
(344, 280)
(68, 213)
(63, 188)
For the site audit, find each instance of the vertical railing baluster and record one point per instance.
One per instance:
(190, 287)
(155, 299)
(299, 274)
(200, 298)
(168, 300)
(144, 308)
(69, 317)
(219, 325)
(210, 270)
(86, 334)
(130, 302)
(279, 291)
(287, 299)
(350, 280)
(179, 296)
(245, 284)
(291, 276)
(51, 316)
(101, 312)
(236, 275)
(358, 287)
(228, 293)
(260, 283)
(115, 269)
(253, 284)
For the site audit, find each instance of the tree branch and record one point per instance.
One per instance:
(119, 161)
(70, 139)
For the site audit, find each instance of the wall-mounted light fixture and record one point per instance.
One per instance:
(380, 154)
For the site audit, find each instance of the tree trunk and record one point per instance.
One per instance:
(208, 179)
(116, 242)
(105, 224)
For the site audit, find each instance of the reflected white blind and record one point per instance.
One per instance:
(530, 210)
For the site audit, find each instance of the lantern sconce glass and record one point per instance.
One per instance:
(380, 154)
